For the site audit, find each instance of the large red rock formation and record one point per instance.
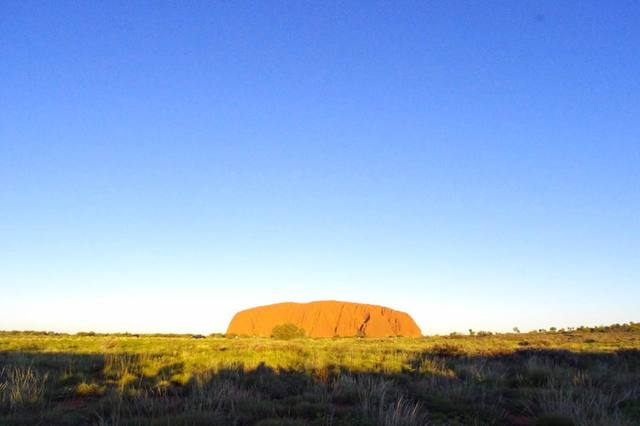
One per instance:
(325, 319)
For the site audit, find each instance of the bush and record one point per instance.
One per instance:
(89, 389)
(287, 331)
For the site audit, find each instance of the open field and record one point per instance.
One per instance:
(584, 377)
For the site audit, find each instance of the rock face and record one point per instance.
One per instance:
(325, 319)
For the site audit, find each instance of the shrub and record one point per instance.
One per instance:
(89, 389)
(287, 331)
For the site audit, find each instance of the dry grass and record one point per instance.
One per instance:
(21, 387)
(579, 378)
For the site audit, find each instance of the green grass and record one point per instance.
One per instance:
(581, 377)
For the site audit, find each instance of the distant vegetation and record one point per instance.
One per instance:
(584, 376)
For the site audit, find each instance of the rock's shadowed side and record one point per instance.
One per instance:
(325, 319)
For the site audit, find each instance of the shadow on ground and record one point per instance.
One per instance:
(441, 387)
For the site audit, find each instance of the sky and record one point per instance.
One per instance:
(166, 164)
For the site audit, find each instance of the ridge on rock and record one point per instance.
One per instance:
(325, 319)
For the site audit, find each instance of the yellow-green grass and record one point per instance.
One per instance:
(357, 354)
(579, 377)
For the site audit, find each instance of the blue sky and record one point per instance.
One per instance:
(163, 164)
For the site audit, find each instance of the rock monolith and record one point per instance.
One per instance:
(325, 319)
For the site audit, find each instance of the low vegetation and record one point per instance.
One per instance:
(587, 376)
(287, 332)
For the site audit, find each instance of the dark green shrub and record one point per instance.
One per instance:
(287, 331)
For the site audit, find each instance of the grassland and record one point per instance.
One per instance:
(578, 377)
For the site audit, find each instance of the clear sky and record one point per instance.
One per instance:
(165, 164)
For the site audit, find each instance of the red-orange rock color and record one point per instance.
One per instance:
(325, 319)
